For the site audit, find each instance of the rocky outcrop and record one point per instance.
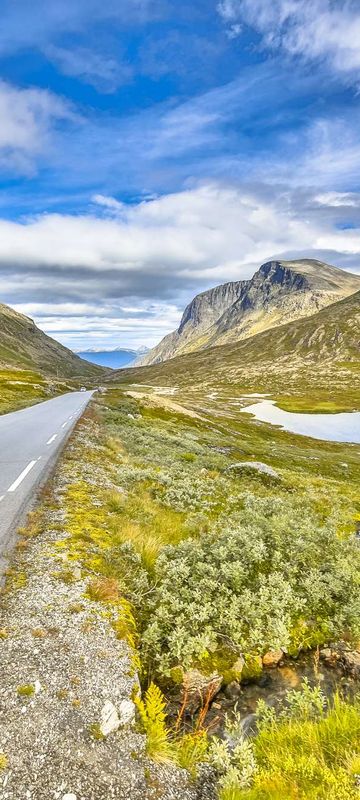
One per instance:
(279, 292)
(342, 655)
(254, 466)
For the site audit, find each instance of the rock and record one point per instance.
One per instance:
(198, 688)
(255, 466)
(126, 712)
(109, 719)
(69, 796)
(232, 691)
(272, 658)
(341, 655)
(37, 687)
(351, 662)
(77, 574)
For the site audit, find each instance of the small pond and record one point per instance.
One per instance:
(342, 427)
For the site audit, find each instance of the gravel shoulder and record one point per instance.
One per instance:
(60, 664)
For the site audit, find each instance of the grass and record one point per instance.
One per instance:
(307, 759)
(22, 388)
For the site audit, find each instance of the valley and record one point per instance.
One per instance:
(218, 557)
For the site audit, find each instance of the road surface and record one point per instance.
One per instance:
(30, 441)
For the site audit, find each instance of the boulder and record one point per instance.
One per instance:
(254, 466)
(272, 658)
(198, 689)
(341, 655)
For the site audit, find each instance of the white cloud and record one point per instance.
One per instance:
(103, 72)
(27, 118)
(338, 199)
(310, 28)
(63, 269)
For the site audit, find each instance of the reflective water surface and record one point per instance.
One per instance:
(343, 427)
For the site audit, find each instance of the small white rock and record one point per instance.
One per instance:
(126, 712)
(69, 796)
(37, 686)
(109, 718)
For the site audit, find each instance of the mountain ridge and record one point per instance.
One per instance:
(327, 338)
(24, 346)
(279, 292)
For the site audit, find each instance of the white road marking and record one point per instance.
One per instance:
(52, 439)
(64, 423)
(2, 497)
(21, 477)
(71, 416)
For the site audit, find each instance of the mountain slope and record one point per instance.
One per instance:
(199, 316)
(322, 342)
(23, 345)
(280, 291)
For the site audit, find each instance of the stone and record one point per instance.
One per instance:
(351, 662)
(340, 654)
(232, 690)
(109, 719)
(126, 712)
(272, 658)
(69, 796)
(198, 688)
(255, 466)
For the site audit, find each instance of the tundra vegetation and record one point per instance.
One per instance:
(203, 568)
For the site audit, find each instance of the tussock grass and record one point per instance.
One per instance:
(307, 759)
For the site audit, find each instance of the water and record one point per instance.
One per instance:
(109, 358)
(343, 427)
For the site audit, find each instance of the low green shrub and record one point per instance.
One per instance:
(256, 581)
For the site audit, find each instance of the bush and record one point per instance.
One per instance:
(269, 576)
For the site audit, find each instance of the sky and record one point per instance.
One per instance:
(151, 149)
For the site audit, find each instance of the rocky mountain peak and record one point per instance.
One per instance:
(279, 292)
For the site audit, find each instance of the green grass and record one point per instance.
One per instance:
(307, 759)
(22, 388)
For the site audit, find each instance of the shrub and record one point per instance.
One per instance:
(264, 574)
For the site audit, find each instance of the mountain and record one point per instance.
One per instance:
(279, 292)
(327, 343)
(116, 358)
(23, 345)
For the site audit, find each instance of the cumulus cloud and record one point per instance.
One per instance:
(91, 279)
(317, 29)
(27, 119)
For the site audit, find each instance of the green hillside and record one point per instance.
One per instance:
(24, 346)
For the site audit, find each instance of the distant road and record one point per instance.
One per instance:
(30, 441)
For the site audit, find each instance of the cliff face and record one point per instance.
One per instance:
(279, 292)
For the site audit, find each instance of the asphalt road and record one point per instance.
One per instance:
(30, 441)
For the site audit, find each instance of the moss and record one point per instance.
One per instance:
(3, 761)
(252, 668)
(62, 694)
(224, 661)
(96, 732)
(25, 690)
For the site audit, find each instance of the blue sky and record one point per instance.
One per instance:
(149, 150)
